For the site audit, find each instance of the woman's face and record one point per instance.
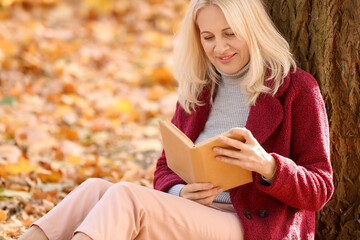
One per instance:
(226, 52)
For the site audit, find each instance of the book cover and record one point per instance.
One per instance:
(196, 162)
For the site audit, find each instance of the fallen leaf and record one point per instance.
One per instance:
(22, 166)
(27, 222)
(123, 109)
(162, 76)
(50, 176)
(3, 215)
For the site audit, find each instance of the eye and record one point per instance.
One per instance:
(229, 34)
(208, 37)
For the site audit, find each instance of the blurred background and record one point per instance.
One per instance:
(82, 86)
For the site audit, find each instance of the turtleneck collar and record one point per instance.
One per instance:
(236, 75)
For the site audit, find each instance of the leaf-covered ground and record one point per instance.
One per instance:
(82, 86)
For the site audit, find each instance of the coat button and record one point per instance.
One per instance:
(263, 213)
(247, 214)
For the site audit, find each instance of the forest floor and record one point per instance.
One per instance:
(82, 86)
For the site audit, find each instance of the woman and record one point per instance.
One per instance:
(234, 70)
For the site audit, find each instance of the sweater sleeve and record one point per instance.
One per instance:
(305, 180)
(164, 177)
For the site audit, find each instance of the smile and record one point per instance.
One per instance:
(227, 58)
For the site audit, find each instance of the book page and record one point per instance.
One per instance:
(171, 127)
(177, 151)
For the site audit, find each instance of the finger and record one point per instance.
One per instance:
(233, 161)
(227, 152)
(243, 132)
(194, 187)
(203, 194)
(232, 142)
(206, 201)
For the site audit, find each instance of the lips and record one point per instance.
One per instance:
(226, 58)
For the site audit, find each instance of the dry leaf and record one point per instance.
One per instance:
(3, 215)
(27, 222)
(162, 76)
(50, 176)
(123, 109)
(22, 166)
(69, 133)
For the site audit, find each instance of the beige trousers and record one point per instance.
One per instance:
(122, 211)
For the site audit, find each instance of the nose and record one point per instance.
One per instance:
(221, 46)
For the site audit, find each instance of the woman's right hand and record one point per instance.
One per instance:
(203, 193)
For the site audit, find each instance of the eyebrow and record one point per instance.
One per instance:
(221, 30)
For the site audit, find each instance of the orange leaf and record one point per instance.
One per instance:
(162, 76)
(3, 215)
(69, 134)
(53, 176)
(2, 172)
(29, 209)
(69, 88)
(157, 92)
(49, 195)
(27, 222)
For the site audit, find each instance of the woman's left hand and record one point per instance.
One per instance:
(248, 155)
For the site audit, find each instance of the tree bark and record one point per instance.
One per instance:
(324, 36)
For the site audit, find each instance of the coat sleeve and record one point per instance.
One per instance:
(304, 181)
(164, 177)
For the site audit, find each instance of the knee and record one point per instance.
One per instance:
(125, 189)
(127, 186)
(96, 184)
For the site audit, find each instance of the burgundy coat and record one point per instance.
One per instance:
(292, 126)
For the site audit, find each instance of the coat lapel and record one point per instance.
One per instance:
(266, 115)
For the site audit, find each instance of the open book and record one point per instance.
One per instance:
(197, 163)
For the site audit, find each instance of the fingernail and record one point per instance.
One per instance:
(219, 190)
(216, 149)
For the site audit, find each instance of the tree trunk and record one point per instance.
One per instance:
(324, 36)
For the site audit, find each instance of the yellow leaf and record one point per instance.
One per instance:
(7, 47)
(6, 3)
(156, 1)
(62, 109)
(154, 37)
(100, 5)
(75, 159)
(22, 166)
(123, 109)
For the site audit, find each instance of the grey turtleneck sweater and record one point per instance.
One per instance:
(229, 110)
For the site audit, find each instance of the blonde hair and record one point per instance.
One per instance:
(248, 19)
